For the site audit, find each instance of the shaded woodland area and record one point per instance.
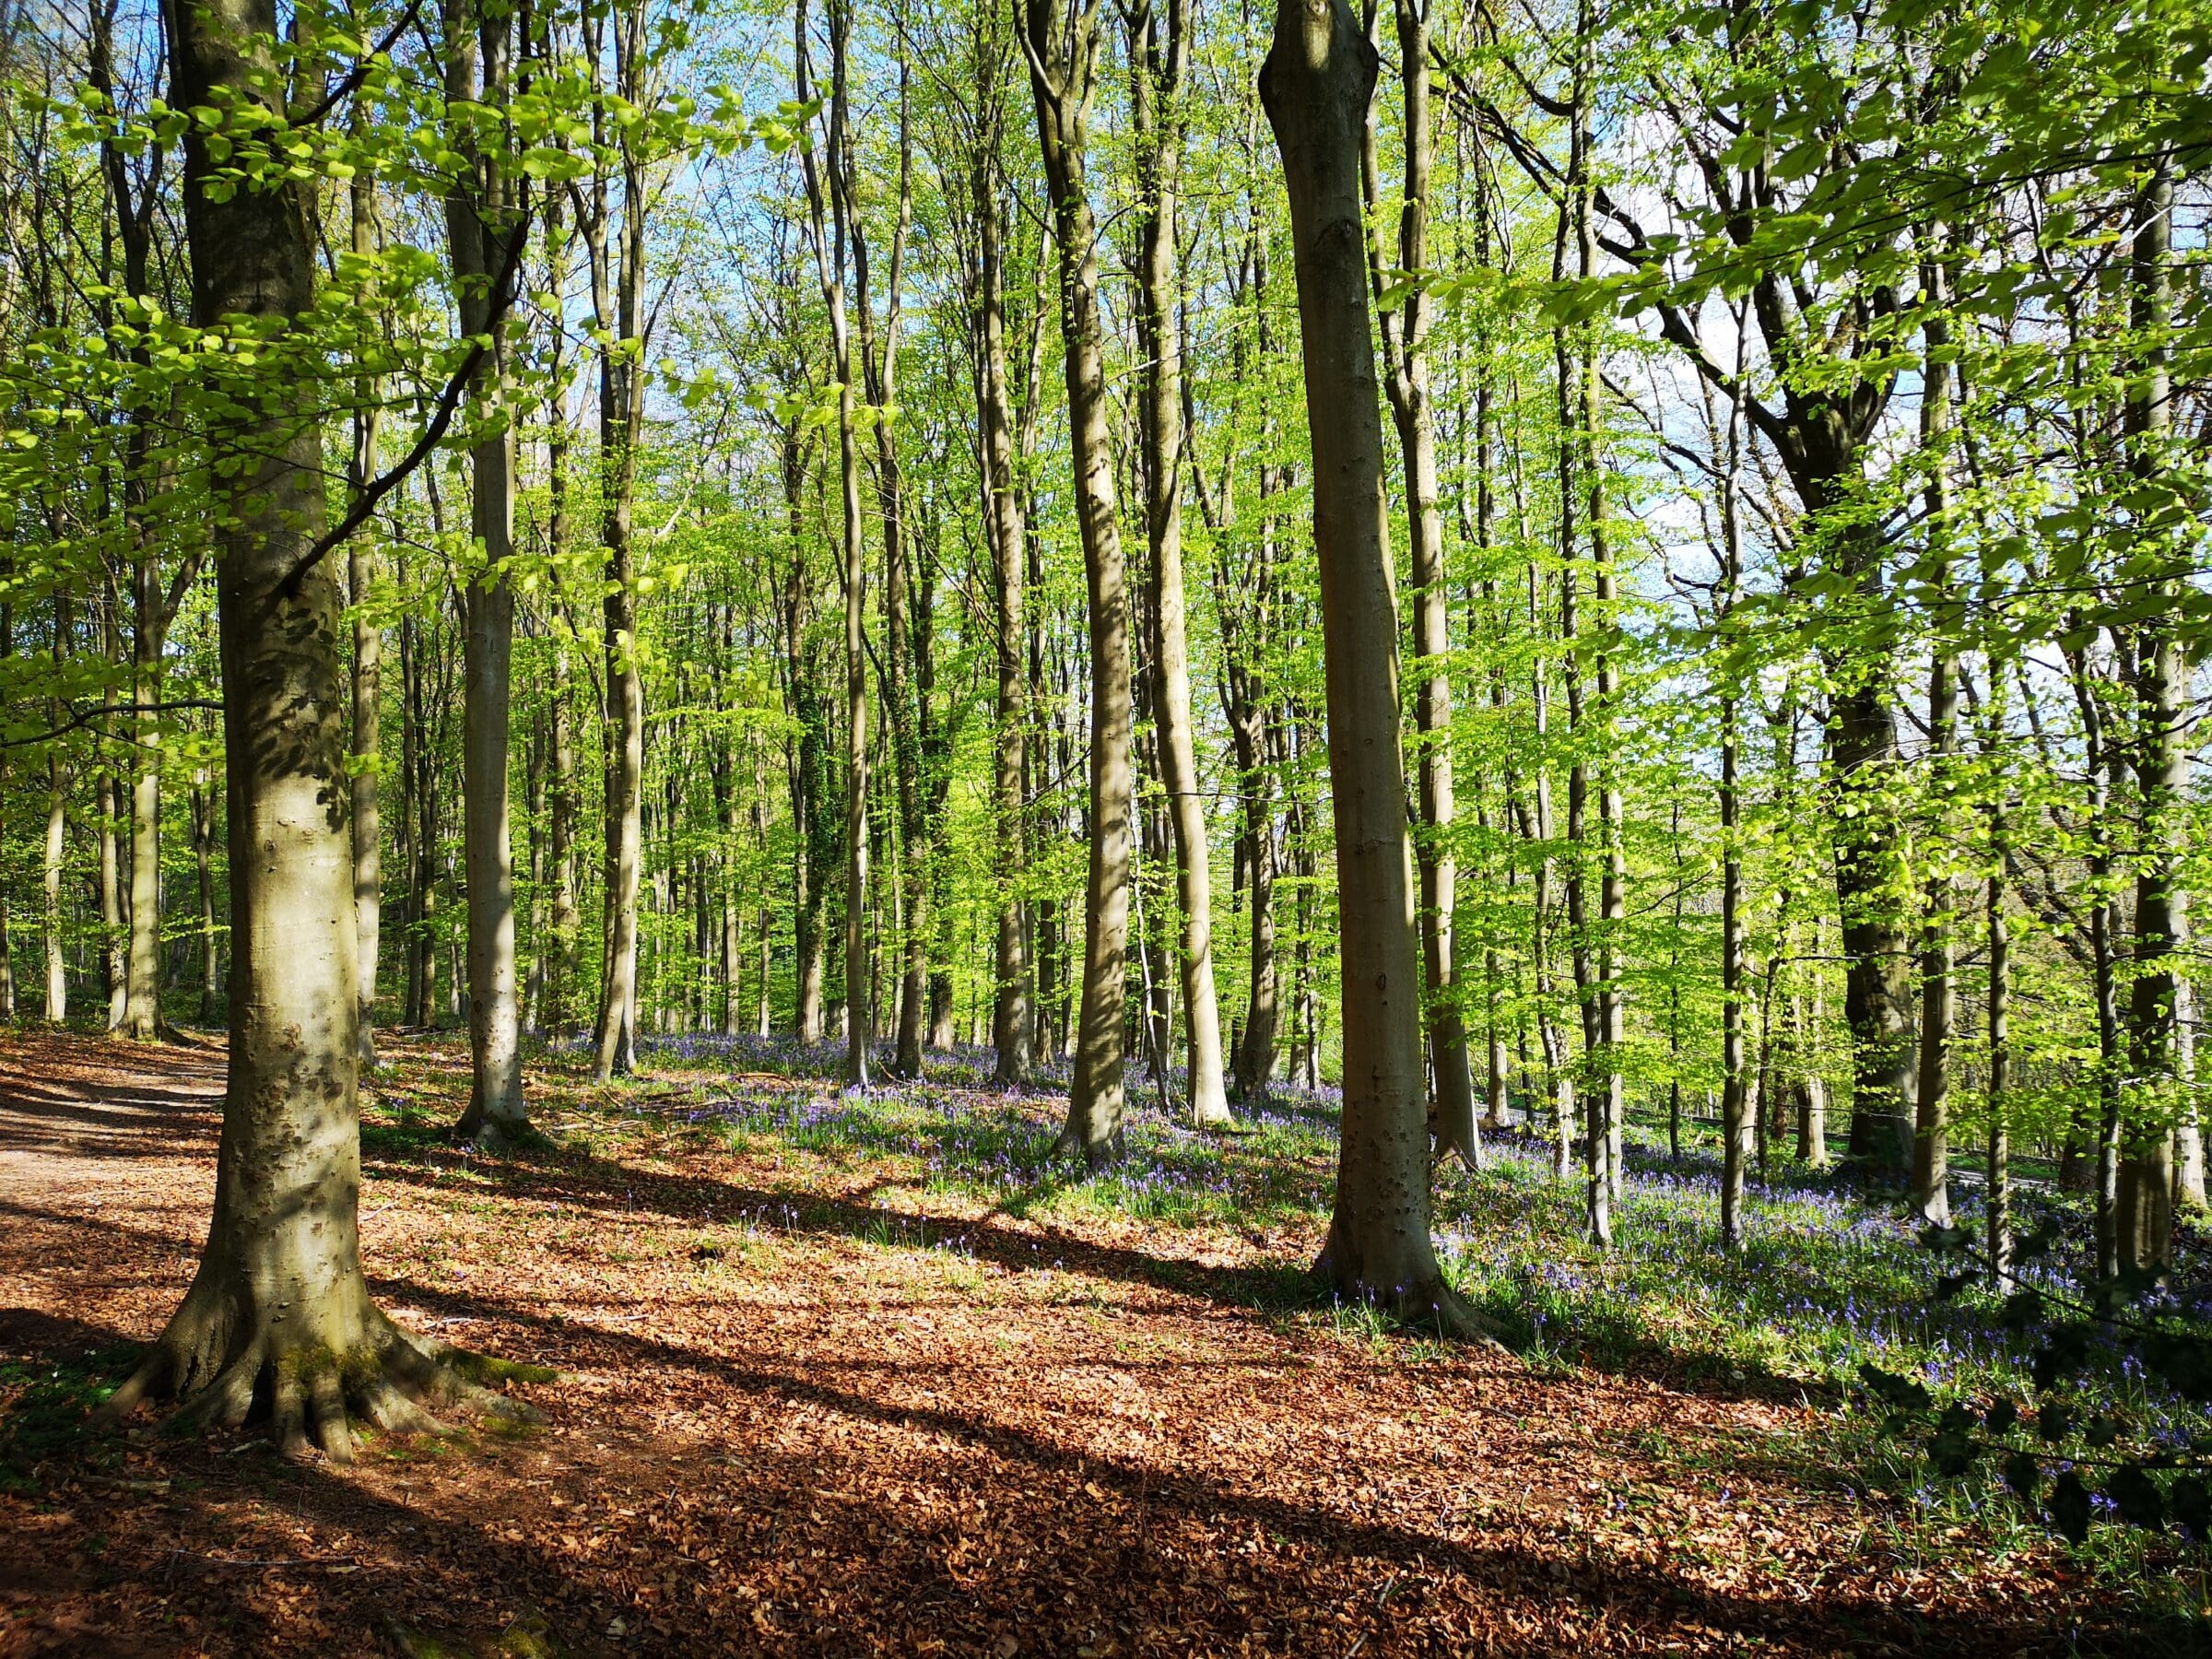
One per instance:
(1063, 828)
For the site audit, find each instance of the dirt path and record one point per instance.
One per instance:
(869, 1419)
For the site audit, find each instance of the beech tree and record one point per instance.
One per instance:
(279, 1304)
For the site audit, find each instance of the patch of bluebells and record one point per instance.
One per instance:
(1832, 1273)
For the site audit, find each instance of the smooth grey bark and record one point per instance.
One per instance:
(1404, 333)
(617, 282)
(481, 222)
(279, 1307)
(1060, 55)
(203, 859)
(114, 943)
(830, 242)
(1735, 1105)
(908, 593)
(1997, 935)
(1927, 1194)
(1013, 1015)
(1158, 53)
(2143, 1218)
(56, 1007)
(368, 669)
(132, 204)
(1315, 85)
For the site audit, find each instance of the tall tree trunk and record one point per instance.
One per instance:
(831, 260)
(1928, 1195)
(2143, 1222)
(1158, 51)
(202, 858)
(617, 282)
(131, 208)
(1014, 1027)
(1062, 59)
(368, 668)
(1735, 1103)
(279, 1307)
(481, 224)
(1404, 331)
(1013, 1015)
(1997, 1209)
(56, 1008)
(1315, 85)
(114, 939)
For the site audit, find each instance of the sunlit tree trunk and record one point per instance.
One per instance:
(617, 280)
(1404, 336)
(56, 1008)
(480, 225)
(280, 1309)
(1315, 85)
(831, 257)
(1013, 1021)
(1061, 54)
(1158, 51)
(2143, 1222)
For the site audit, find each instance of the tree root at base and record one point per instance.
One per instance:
(1429, 1309)
(397, 1382)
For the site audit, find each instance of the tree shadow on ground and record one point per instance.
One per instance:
(694, 1540)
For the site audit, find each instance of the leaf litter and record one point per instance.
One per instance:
(813, 1396)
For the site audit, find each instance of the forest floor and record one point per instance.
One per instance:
(868, 1377)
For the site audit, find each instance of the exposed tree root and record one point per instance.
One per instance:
(490, 1135)
(1095, 1155)
(1424, 1306)
(222, 1372)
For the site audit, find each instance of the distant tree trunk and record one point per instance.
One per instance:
(368, 669)
(1735, 1103)
(831, 260)
(142, 982)
(733, 909)
(908, 677)
(1928, 1195)
(1405, 330)
(1997, 1211)
(56, 1009)
(1538, 825)
(1812, 1098)
(7, 942)
(137, 953)
(617, 281)
(2105, 768)
(1158, 51)
(1013, 1017)
(202, 858)
(113, 936)
(1315, 85)
(2188, 1135)
(2144, 1220)
(280, 1308)
(481, 223)
(1061, 54)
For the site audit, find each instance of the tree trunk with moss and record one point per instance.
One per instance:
(280, 1308)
